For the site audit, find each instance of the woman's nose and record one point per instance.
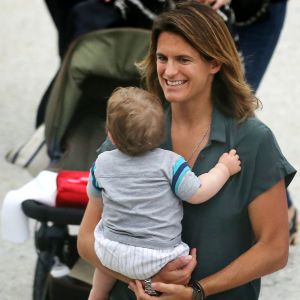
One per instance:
(170, 69)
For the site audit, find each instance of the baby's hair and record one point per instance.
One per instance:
(135, 120)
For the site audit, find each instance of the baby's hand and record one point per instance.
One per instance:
(232, 161)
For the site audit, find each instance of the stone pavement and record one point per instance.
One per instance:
(28, 60)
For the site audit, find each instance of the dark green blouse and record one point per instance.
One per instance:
(220, 229)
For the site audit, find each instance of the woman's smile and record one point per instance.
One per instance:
(175, 83)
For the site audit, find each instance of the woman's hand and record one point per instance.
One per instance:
(169, 291)
(177, 271)
(215, 4)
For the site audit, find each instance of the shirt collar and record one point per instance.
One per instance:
(218, 127)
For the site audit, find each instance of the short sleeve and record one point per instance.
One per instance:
(184, 182)
(93, 186)
(270, 166)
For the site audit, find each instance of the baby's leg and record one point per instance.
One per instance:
(102, 284)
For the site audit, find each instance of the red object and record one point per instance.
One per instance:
(71, 188)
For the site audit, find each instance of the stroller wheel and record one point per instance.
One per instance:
(42, 270)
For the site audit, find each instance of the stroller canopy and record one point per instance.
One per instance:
(93, 67)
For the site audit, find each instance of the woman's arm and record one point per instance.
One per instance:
(86, 240)
(268, 215)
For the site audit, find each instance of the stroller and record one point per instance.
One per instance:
(93, 67)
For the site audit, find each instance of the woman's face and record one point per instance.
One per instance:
(182, 73)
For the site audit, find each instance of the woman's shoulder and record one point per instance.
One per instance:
(251, 134)
(254, 138)
(229, 128)
(252, 127)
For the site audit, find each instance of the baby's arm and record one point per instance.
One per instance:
(211, 182)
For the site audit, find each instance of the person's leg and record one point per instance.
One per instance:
(102, 284)
(59, 11)
(257, 42)
(93, 15)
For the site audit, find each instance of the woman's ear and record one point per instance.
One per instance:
(215, 66)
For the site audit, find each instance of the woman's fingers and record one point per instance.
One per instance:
(174, 271)
(173, 291)
(189, 268)
(166, 288)
(177, 271)
(179, 263)
(137, 288)
(219, 3)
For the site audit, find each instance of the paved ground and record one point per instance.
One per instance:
(28, 60)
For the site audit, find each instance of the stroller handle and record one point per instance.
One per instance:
(58, 215)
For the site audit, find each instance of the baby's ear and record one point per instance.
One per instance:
(110, 137)
(215, 66)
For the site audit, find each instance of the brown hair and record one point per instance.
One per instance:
(207, 33)
(135, 120)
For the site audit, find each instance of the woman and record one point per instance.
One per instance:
(241, 234)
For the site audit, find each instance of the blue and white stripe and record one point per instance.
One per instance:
(180, 168)
(93, 177)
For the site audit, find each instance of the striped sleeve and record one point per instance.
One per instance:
(184, 182)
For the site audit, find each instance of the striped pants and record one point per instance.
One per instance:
(135, 262)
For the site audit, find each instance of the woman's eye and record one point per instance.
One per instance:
(184, 60)
(161, 58)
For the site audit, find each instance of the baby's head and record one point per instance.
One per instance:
(135, 120)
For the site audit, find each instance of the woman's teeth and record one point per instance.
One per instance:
(175, 83)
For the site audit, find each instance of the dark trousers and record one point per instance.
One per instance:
(258, 41)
